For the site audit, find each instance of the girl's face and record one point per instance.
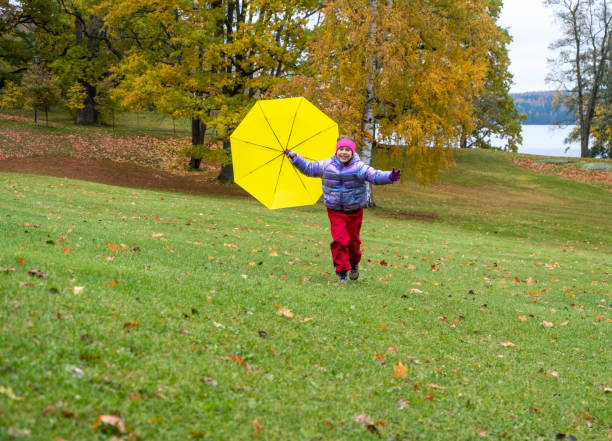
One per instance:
(344, 154)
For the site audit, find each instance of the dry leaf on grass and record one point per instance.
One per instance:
(400, 370)
(111, 420)
(283, 311)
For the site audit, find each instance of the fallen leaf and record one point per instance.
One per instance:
(564, 323)
(400, 370)
(78, 289)
(416, 291)
(210, 381)
(134, 396)
(37, 273)
(430, 397)
(381, 358)
(7, 391)
(111, 420)
(283, 311)
(402, 404)
(112, 247)
(384, 263)
(235, 359)
(363, 419)
(113, 284)
(547, 324)
(7, 270)
(507, 344)
(307, 319)
(522, 318)
(552, 374)
(256, 426)
(435, 386)
(20, 260)
(131, 325)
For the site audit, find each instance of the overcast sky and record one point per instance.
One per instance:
(533, 29)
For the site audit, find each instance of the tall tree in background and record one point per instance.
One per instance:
(41, 89)
(208, 61)
(494, 111)
(579, 67)
(19, 23)
(399, 72)
(83, 52)
(602, 122)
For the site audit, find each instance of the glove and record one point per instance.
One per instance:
(290, 154)
(395, 175)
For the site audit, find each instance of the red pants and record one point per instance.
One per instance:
(345, 226)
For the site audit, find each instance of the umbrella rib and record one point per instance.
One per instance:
(308, 139)
(293, 122)
(301, 181)
(279, 175)
(263, 165)
(256, 145)
(270, 125)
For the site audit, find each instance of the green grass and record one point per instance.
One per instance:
(202, 277)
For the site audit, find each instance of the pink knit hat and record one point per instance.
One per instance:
(346, 142)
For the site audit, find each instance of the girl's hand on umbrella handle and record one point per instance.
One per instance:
(290, 154)
(395, 174)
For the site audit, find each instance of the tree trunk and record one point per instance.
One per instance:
(463, 139)
(46, 116)
(35, 115)
(198, 130)
(367, 121)
(227, 171)
(89, 113)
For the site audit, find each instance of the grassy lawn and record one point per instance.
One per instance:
(213, 318)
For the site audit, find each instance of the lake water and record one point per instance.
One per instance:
(547, 141)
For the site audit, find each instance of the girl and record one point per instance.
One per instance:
(344, 189)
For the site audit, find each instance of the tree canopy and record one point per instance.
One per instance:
(423, 75)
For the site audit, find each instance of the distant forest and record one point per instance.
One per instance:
(539, 108)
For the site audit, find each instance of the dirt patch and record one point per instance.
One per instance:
(568, 172)
(408, 215)
(122, 174)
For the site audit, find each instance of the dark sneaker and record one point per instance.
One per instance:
(342, 278)
(354, 273)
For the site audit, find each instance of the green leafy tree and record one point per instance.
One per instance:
(41, 89)
(584, 52)
(80, 50)
(495, 113)
(19, 23)
(207, 61)
(11, 96)
(602, 122)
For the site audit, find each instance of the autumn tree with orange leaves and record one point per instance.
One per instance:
(401, 72)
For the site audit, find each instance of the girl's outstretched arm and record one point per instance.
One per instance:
(379, 177)
(313, 169)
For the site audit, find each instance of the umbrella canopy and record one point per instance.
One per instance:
(259, 142)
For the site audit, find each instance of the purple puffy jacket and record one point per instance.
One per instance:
(344, 187)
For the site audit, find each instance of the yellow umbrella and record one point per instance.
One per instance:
(259, 142)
